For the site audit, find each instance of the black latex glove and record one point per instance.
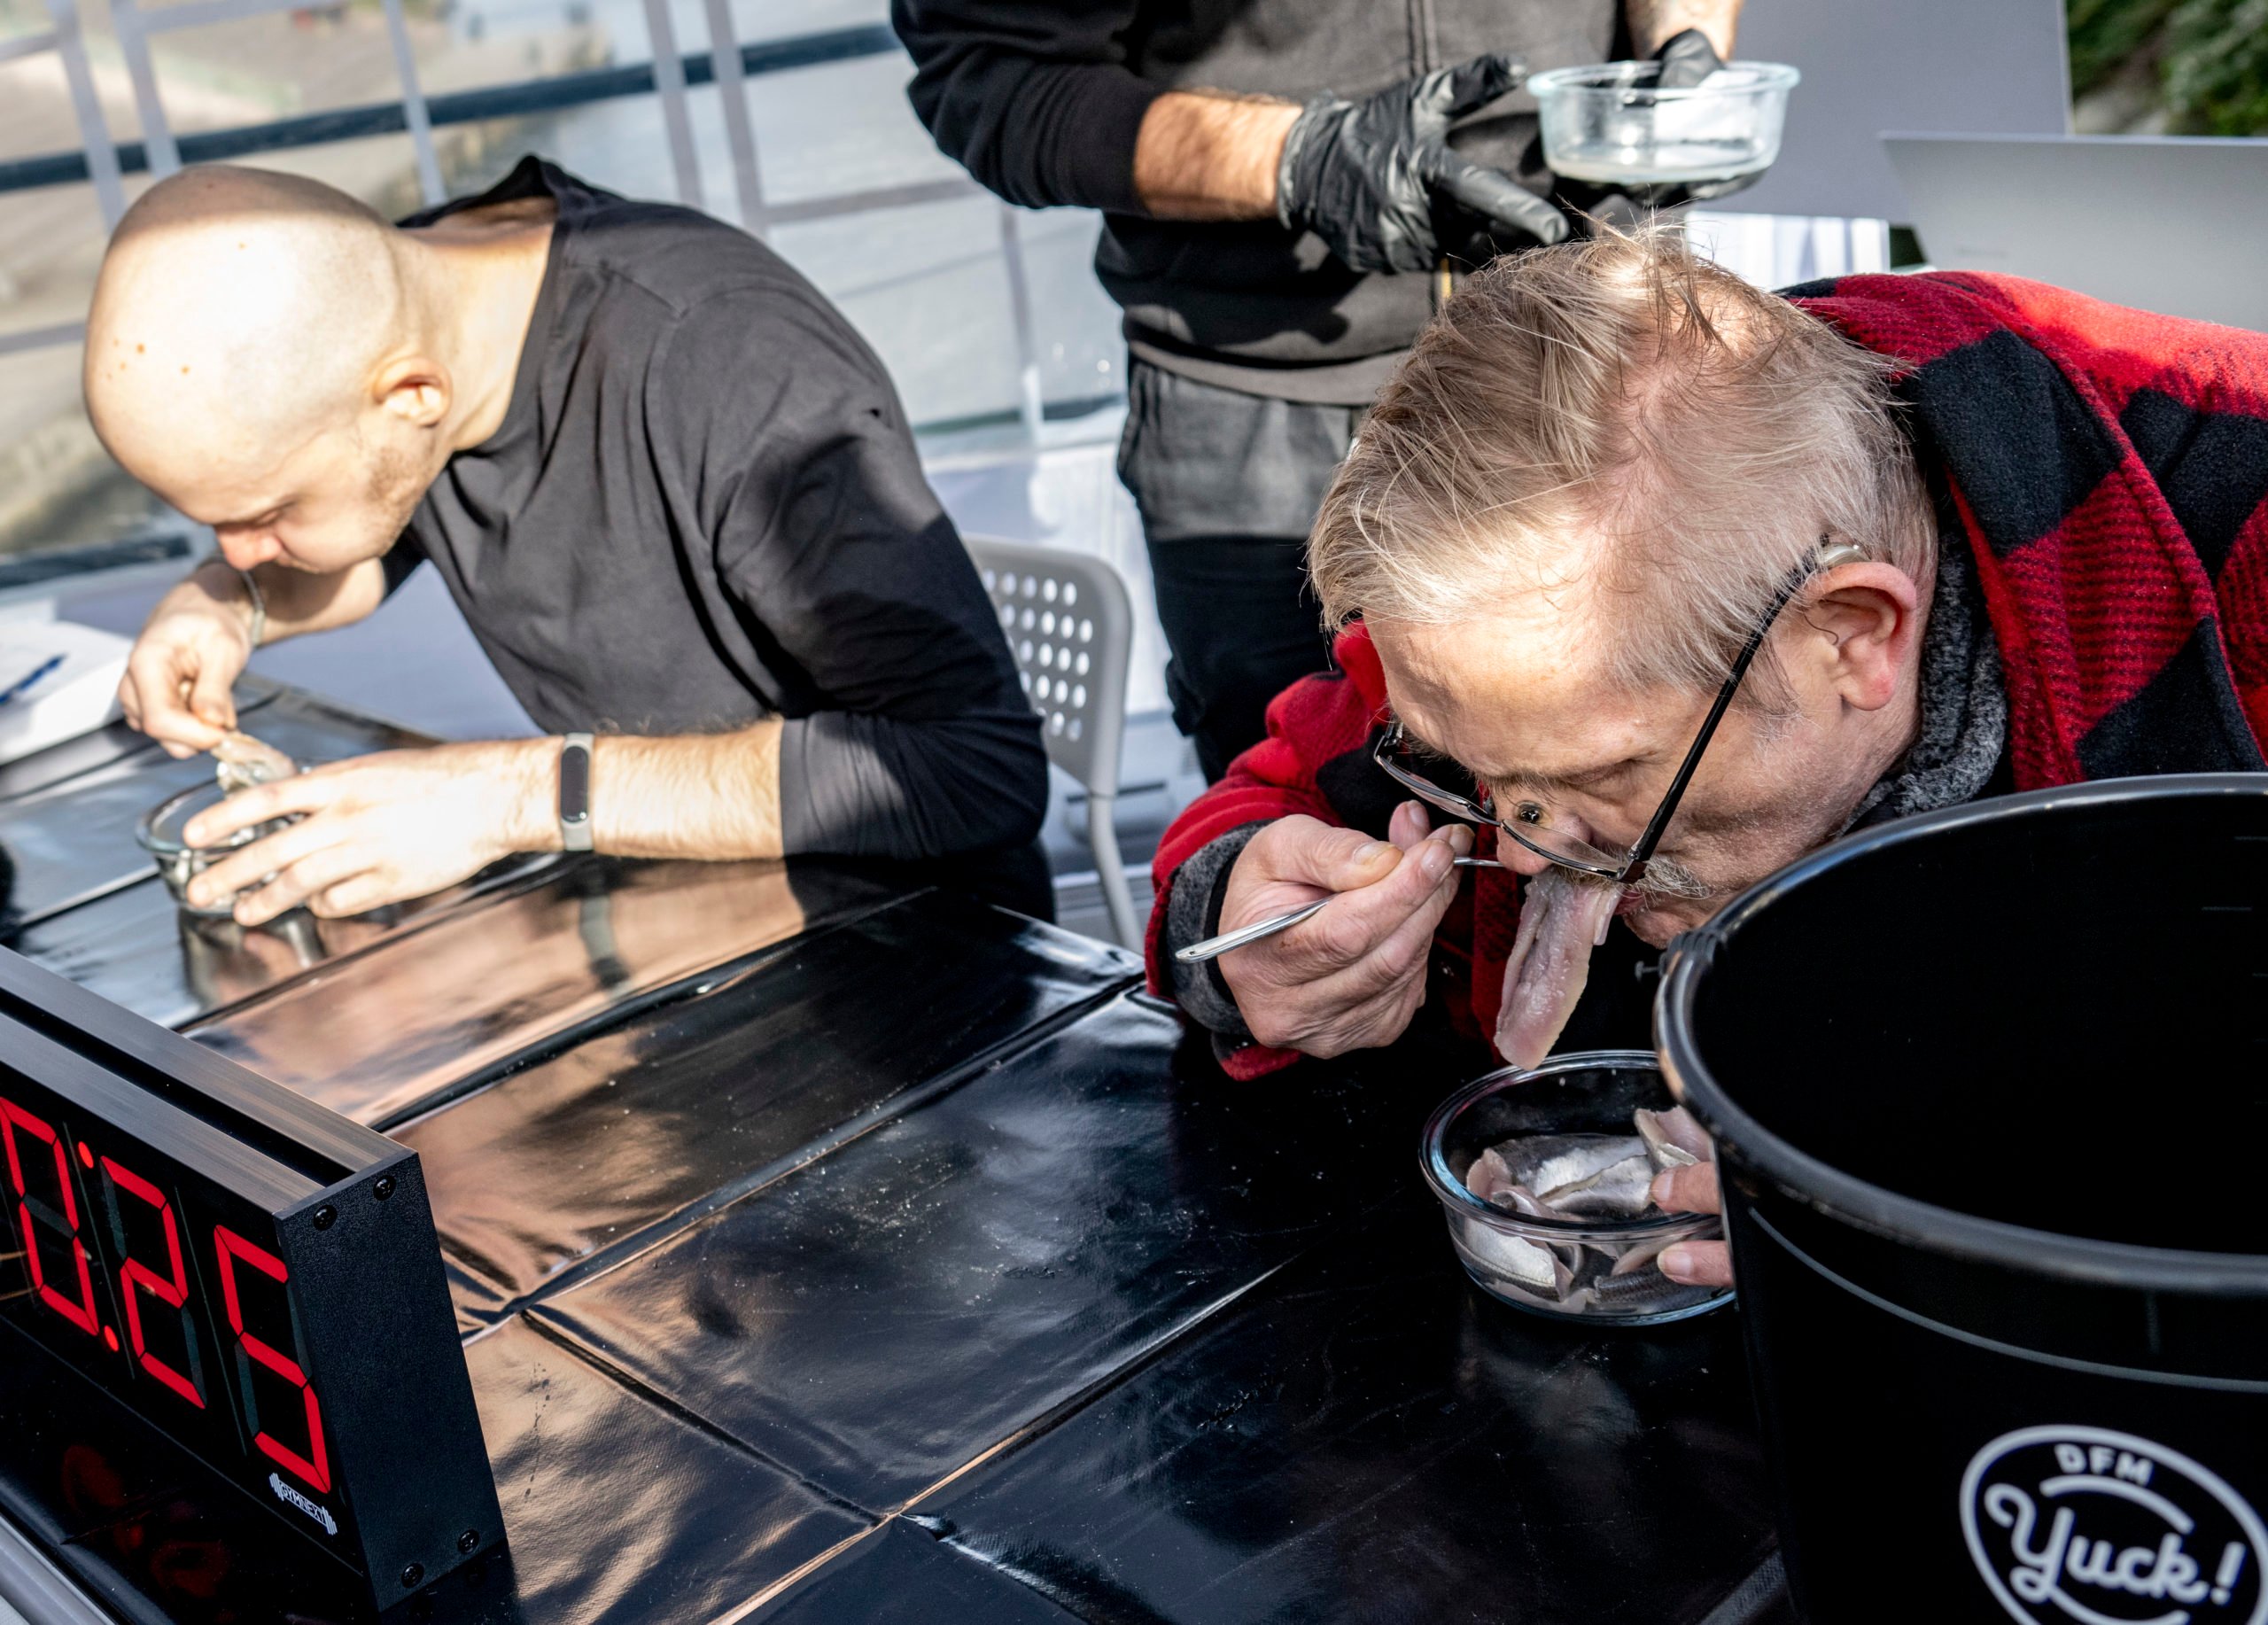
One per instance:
(1687, 59)
(1368, 177)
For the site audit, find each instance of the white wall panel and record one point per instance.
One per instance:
(1976, 67)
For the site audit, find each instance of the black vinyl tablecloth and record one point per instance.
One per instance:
(830, 1247)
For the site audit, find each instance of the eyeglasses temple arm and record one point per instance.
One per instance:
(1644, 850)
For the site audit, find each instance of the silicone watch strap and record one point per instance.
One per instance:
(575, 793)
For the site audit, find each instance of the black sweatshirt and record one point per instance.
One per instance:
(703, 508)
(1043, 104)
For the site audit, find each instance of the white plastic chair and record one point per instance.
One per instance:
(1071, 629)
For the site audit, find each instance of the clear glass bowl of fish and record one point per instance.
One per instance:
(160, 832)
(1545, 1178)
(1612, 125)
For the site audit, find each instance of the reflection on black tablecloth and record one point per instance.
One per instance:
(830, 1247)
(700, 1101)
(882, 1315)
(1363, 1427)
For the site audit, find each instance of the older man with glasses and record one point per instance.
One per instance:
(1652, 582)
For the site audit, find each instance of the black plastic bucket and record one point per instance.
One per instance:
(1991, 1094)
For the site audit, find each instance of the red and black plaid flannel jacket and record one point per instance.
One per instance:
(2108, 468)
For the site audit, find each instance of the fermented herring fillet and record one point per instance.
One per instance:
(1562, 919)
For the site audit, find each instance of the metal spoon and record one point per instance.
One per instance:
(1212, 947)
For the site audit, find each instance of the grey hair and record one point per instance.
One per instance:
(1699, 434)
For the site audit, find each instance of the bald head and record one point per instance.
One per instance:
(277, 361)
(237, 313)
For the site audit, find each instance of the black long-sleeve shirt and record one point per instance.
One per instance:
(1044, 104)
(1038, 101)
(703, 508)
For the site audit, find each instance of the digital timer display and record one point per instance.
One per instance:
(143, 1281)
(253, 1275)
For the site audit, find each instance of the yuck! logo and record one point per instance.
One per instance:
(2103, 1528)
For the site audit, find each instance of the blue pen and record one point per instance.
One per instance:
(24, 685)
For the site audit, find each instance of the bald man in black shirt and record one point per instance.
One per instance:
(673, 492)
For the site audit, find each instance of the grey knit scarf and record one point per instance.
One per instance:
(1964, 703)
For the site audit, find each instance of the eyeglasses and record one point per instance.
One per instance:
(1530, 823)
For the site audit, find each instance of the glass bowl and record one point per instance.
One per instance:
(1608, 125)
(178, 862)
(1594, 1269)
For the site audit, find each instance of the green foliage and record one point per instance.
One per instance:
(2215, 67)
(2105, 33)
(2211, 58)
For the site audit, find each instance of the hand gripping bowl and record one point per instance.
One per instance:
(1564, 1268)
(160, 832)
(1609, 125)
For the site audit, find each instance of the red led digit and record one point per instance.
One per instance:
(171, 1289)
(315, 1466)
(80, 1314)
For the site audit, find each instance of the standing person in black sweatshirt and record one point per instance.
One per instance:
(1286, 203)
(673, 493)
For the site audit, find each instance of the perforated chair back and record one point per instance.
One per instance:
(1070, 626)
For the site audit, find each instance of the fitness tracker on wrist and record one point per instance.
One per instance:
(575, 793)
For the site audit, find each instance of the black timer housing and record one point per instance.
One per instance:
(250, 1273)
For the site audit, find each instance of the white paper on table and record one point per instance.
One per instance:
(76, 698)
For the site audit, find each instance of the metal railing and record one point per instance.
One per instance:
(669, 76)
(97, 162)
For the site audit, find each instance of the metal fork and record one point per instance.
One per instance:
(1212, 947)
